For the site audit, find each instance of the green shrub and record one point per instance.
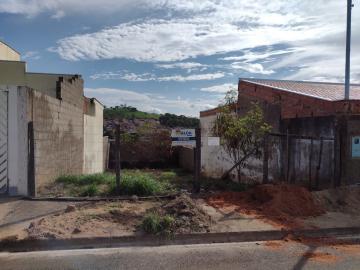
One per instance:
(153, 223)
(139, 184)
(90, 191)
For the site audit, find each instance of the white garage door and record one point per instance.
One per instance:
(3, 142)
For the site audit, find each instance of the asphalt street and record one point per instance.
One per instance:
(261, 255)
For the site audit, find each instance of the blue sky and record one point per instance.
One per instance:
(180, 56)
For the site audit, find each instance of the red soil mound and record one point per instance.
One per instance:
(277, 203)
(321, 257)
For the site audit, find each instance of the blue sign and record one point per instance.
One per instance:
(355, 147)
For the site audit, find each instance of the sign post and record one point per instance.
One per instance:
(190, 138)
(197, 160)
(117, 159)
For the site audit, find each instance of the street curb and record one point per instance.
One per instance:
(179, 239)
(99, 199)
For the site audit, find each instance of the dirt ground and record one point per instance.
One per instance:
(284, 206)
(265, 207)
(98, 219)
(293, 207)
(118, 219)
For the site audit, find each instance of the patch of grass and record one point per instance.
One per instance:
(139, 184)
(133, 182)
(86, 179)
(153, 223)
(167, 176)
(90, 190)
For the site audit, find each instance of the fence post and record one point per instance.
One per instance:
(310, 163)
(266, 160)
(31, 160)
(117, 159)
(197, 160)
(287, 155)
(319, 164)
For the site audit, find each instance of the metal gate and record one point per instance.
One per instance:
(3, 142)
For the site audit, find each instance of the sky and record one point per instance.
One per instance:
(180, 56)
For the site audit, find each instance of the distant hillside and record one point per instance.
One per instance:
(173, 120)
(127, 112)
(166, 120)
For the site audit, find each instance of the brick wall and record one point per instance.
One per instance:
(58, 131)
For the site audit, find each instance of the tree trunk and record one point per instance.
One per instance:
(239, 173)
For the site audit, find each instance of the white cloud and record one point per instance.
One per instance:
(58, 14)
(147, 102)
(249, 56)
(189, 66)
(133, 77)
(314, 32)
(251, 68)
(175, 40)
(183, 65)
(33, 8)
(210, 27)
(31, 55)
(220, 88)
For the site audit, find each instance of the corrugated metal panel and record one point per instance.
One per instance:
(3, 141)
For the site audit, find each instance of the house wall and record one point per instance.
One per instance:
(12, 73)
(93, 137)
(58, 131)
(215, 161)
(17, 140)
(7, 53)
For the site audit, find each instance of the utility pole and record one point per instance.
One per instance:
(348, 48)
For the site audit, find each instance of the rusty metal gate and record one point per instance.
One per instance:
(3, 142)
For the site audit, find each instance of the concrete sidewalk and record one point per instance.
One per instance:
(16, 213)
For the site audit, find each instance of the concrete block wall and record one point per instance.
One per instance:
(93, 137)
(58, 132)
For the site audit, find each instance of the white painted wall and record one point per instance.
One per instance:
(93, 139)
(215, 161)
(18, 150)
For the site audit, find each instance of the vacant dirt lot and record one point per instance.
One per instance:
(265, 207)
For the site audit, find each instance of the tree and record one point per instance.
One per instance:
(241, 136)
